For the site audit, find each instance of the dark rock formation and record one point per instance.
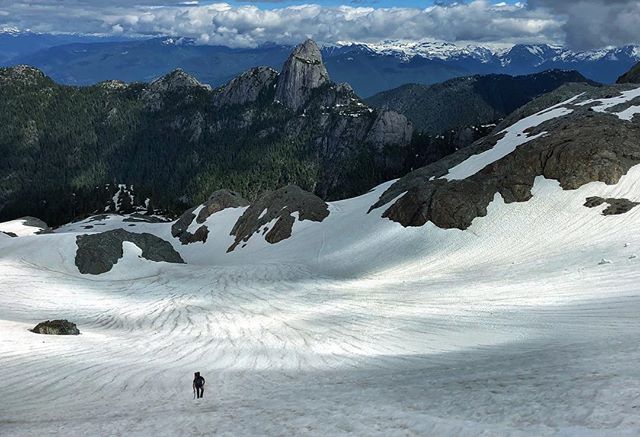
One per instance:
(303, 72)
(56, 327)
(10, 234)
(218, 201)
(98, 253)
(247, 87)
(37, 223)
(278, 205)
(631, 76)
(579, 148)
(616, 206)
(34, 222)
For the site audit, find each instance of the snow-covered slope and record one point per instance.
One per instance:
(525, 323)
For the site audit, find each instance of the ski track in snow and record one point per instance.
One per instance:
(354, 326)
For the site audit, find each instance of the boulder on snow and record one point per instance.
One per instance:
(616, 206)
(278, 206)
(98, 253)
(218, 201)
(24, 226)
(56, 327)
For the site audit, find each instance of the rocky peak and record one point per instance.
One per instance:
(112, 85)
(247, 87)
(176, 80)
(301, 74)
(22, 73)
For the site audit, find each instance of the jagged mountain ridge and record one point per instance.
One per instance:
(388, 65)
(177, 140)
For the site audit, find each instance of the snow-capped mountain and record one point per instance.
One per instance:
(536, 54)
(426, 49)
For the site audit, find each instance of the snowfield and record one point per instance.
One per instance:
(353, 326)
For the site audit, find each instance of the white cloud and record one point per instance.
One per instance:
(595, 23)
(478, 21)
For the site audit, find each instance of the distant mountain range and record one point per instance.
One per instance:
(368, 68)
(16, 44)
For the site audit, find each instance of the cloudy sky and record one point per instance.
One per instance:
(579, 24)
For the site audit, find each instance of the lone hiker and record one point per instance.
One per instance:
(198, 385)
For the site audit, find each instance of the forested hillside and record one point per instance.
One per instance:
(176, 140)
(469, 101)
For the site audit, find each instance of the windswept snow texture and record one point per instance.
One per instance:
(353, 326)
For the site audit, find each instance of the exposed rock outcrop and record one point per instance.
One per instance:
(40, 227)
(98, 253)
(303, 72)
(390, 128)
(24, 74)
(247, 87)
(9, 234)
(175, 82)
(279, 205)
(575, 149)
(218, 201)
(631, 76)
(56, 327)
(615, 206)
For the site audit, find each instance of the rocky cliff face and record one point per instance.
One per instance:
(303, 72)
(247, 87)
(586, 141)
